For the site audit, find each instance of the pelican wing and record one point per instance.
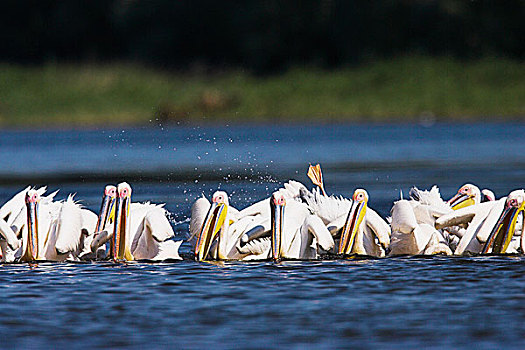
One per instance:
(492, 218)
(378, 226)
(431, 198)
(335, 226)
(256, 249)
(155, 220)
(168, 250)
(294, 218)
(256, 228)
(259, 208)
(459, 217)
(49, 198)
(89, 220)
(14, 206)
(199, 209)
(71, 221)
(328, 208)
(403, 218)
(427, 214)
(316, 226)
(233, 213)
(292, 189)
(9, 236)
(478, 224)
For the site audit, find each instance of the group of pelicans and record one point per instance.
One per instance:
(294, 223)
(34, 227)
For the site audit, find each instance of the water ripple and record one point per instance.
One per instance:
(406, 302)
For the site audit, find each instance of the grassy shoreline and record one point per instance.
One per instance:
(404, 89)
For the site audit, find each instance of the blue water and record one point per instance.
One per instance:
(395, 303)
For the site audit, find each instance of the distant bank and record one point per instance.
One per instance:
(404, 89)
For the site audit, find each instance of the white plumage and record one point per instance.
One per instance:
(413, 221)
(373, 234)
(302, 235)
(328, 208)
(254, 217)
(482, 219)
(150, 233)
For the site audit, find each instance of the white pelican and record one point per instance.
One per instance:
(296, 233)
(53, 231)
(13, 217)
(15, 222)
(412, 223)
(218, 230)
(491, 225)
(40, 225)
(208, 220)
(362, 230)
(140, 230)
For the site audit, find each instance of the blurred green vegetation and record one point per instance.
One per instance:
(405, 88)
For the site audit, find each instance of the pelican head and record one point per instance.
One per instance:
(119, 245)
(353, 220)
(106, 216)
(107, 209)
(467, 195)
(32, 199)
(277, 205)
(215, 218)
(487, 195)
(503, 231)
